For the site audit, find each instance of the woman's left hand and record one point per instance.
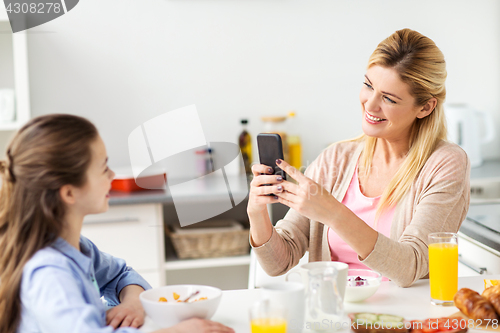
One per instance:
(307, 197)
(129, 313)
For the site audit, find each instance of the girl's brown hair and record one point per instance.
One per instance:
(48, 152)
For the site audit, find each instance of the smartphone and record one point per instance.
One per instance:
(270, 149)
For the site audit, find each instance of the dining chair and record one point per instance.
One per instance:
(257, 277)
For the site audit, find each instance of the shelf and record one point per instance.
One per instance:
(10, 126)
(18, 64)
(180, 264)
(3, 14)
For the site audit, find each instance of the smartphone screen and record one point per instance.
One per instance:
(270, 149)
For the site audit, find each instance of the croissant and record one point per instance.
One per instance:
(474, 305)
(492, 294)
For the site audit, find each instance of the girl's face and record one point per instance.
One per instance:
(388, 108)
(93, 197)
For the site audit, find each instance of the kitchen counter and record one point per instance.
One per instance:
(210, 188)
(483, 218)
(411, 303)
(489, 169)
(138, 197)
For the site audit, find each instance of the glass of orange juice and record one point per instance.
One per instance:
(266, 317)
(443, 267)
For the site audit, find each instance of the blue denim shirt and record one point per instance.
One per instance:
(61, 289)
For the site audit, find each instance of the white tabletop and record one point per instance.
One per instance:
(410, 303)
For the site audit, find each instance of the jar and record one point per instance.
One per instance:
(277, 124)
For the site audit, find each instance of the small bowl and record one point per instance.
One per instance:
(357, 291)
(170, 313)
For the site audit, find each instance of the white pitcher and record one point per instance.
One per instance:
(463, 129)
(324, 307)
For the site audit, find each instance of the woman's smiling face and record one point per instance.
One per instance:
(388, 108)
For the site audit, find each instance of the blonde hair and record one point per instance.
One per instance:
(421, 65)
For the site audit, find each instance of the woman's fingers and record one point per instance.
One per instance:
(259, 169)
(291, 171)
(287, 198)
(266, 190)
(265, 180)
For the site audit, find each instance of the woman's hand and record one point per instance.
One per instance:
(307, 197)
(259, 193)
(261, 228)
(199, 326)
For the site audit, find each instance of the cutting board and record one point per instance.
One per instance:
(476, 324)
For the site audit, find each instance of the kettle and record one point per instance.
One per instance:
(463, 125)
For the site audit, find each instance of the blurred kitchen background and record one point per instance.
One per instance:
(120, 63)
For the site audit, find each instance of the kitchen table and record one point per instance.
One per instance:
(410, 303)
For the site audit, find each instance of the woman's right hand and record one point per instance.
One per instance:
(259, 191)
(199, 326)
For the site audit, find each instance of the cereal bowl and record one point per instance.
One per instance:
(361, 284)
(171, 312)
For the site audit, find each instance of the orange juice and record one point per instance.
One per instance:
(268, 325)
(443, 270)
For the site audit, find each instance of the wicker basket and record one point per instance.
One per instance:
(208, 243)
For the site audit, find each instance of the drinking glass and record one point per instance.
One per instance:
(267, 317)
(443, 267)
(291, 297)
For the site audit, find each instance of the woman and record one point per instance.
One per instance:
(51, 277)
(373, 200)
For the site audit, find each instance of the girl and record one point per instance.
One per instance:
(52, 278)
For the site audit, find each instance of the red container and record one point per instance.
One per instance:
(128, 184)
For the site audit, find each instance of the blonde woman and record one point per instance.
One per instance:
(372, 201)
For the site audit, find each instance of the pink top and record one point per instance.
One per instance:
(365, 208)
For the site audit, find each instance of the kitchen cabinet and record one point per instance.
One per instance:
(14, 70)
(133, 229)
(479, 235)
(223, 272)
(475, 258)
(133, 233)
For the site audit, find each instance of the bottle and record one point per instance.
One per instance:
(276, 124)
(245, 143)
(202, 162)
(294, 144)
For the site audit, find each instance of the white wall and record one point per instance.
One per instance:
(122, 62)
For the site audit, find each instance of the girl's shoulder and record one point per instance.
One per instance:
(46, 257)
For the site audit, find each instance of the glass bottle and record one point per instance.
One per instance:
(202, 162)
(245, 143)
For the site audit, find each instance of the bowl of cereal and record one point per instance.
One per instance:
(166, 306)
(361, 284)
